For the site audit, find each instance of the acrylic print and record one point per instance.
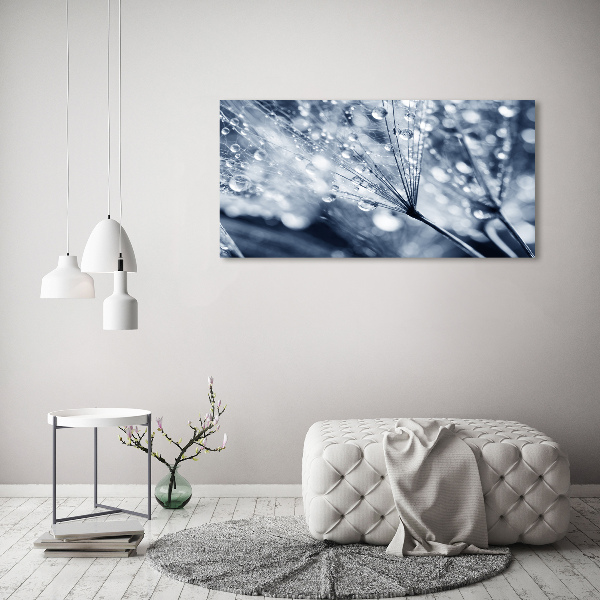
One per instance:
(378, 178)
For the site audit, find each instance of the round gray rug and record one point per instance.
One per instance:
(277, 557)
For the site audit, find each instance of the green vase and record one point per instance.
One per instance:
(173, 490)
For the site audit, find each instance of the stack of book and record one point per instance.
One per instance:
(114, 539)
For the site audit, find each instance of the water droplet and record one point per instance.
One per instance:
(366, 206)
(310, 169)
(353, 137)
(235, 148)
(482, 214)
(409, 116)
(463, 167)
(329, 198)
(356, 179)
(379, 113)
(430, 123)
(335, 188)
(388, 147)
(225, 130)
(531, 113)
(406, 134)
(235, 121)
(292, 221)
(507, 111)
(298, 157)
(260, 155)
(346, 153)
(239, 183)
(471, 116)
(230, 163)
(385, 221)
(500, 154)
(440, 175)
(528, 136)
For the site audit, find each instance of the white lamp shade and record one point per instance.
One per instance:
(102, 249)
(120, 310)
(67, 281)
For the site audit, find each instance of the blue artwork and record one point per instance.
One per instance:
(381, 178)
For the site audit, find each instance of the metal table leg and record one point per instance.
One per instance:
(95, 467)
(149, 434)
(111, 509)
(54, 470)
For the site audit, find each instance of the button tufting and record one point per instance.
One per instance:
(481, 435)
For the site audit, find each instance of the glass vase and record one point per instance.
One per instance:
(173, 490)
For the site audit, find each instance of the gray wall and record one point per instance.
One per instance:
(289, 342)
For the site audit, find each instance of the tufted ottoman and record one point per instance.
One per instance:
(347, 498)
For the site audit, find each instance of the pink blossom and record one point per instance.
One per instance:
(216, 420)
(159, 423)
(224, 440)
(210, 381)
(129, 430)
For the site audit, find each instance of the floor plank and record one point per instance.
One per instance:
(32, 573)
(579, 586)
(265, 507)
(565, 570)
(476, 591)
(224, 510)
(547, 581)
(245, 508)
(522, 582)
(119, 581)
(203, 512)
(194, 592)
(585, 567)
(284, 507)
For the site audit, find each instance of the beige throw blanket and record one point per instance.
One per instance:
(437, 490)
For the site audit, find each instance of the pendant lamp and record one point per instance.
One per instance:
(108, 239)
(67, 280)
(120, 310)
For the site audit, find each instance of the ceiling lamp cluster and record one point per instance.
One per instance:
(108, 249)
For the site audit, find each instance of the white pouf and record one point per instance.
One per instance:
(347, 499)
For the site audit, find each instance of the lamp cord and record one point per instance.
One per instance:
(108, 103)
(67, 122)
(120, 193)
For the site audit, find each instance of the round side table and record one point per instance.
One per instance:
(99, 417)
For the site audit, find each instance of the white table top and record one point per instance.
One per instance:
(99, 417)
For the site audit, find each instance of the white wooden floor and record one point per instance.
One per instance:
(567, 569)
